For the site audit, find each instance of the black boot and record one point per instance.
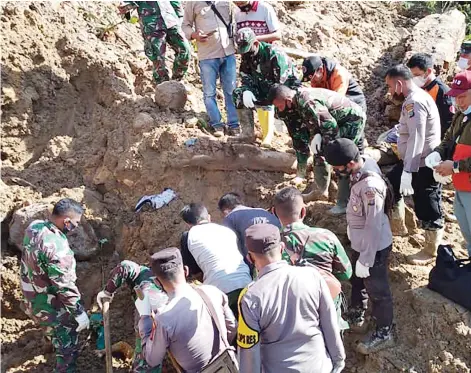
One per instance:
(380, 339)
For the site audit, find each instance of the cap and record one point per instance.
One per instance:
(245, 39)
(340, 151)
(261, 238)
(461, 83)
(166, 260)
(465, 47)
(310, 66)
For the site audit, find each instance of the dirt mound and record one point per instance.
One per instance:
(80, 119)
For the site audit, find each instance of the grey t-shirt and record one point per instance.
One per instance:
(243, 217)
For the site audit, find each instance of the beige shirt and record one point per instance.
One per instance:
(199, 16)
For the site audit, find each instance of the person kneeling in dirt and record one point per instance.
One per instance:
(262, 66)
(287, 319)
(316, 116)
(322, 72)
(316, 246)
(51, 297)
(184, 326)
(161, 24)
(141, 279)
(371, 239)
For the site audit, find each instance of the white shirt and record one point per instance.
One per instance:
(262, 21)
(215, 250)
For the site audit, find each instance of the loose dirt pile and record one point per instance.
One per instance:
(79, 120)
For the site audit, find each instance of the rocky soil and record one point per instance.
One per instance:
(79, 120)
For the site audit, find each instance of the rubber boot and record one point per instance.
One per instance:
(320, 187)
(342, 197)
(247, 125)
(381, 339)
(266, 117)
(427, 255)
(398, 219)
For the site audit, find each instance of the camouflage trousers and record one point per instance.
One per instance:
(139, 363)
(155, 47)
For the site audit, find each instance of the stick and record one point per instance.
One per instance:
(106, 324)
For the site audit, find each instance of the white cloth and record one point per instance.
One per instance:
(262, 21)
(433, 159)
(156, 200)
(215, 250)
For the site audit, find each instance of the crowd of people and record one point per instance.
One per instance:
(264, 281)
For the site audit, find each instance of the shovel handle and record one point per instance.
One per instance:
(106, 325)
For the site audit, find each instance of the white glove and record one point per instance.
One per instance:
(361, 271)
(298, 180)
(348, 232)
(249, 99)
(82, 321)
(406, 184)
(103, 296)
(143, 306)
(338, 366)
(316, 144)
(441, 179)
(433, 159)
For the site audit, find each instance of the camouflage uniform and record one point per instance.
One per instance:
(160, 25)
(133, 275)
(51, 297)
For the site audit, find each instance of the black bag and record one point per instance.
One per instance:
(451, 277)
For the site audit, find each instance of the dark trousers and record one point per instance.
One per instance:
(233, 300)
(427, 195)
(375, 287)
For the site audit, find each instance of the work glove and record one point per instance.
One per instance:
(361, 271)
(103, 296)
(338, 366)
(441, 179)
(143, 305)
(406, 184)
(316, 144)
(82, 321)
(433, 159)
(249, 99)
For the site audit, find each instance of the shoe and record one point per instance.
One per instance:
(338, 210)
(356, 319)
(218, 132)
(381, 339)
(235, 131)
(427, 255)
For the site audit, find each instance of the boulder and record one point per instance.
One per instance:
(82, 240)
(171, 94)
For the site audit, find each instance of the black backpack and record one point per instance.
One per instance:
(451, 277)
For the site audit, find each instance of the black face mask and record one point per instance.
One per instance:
(68, 226)
(344, 172)
(246, 8)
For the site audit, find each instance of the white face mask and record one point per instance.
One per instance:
(419, 80)
(463, 63)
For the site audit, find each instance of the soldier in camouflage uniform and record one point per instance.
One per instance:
(317, 246)
(319, 115)
(161, 24)
(140, 278)
(262, 66)
(48, 277)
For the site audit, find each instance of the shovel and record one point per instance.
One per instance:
(106, 325)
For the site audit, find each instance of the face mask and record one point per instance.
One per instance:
(344, 172)
(463, 63)
(467, 111)
(419, 80)
(68, 226)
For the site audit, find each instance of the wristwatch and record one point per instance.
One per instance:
(456, 167)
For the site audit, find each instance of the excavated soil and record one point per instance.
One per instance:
(79, 120)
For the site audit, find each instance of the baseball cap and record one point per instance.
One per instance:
(166, 260)
(340, 151)
(261, 238)
(465, 47)
(245, 39)
(461, 83)
(310, 66)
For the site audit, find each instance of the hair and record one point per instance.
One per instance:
(399, 71)
(66, 206)
(229, 201)
(288, 202)
(278, 91)
(169, 275)
(194, 213)
(422, 61)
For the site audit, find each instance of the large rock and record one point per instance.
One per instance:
(82, 240)
(171, 94)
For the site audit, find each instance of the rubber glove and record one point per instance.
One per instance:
(361, 271)
(433, 159)
(338, 366)
(103, 296)
(406, 184)
(316, 144)
(83, 321)
(249, 99)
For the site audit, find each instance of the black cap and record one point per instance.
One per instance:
(310, 66)
(465, 47)
(261, 238)
(166, 260)
(340, 151)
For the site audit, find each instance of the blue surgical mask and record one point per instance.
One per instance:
(467, 111)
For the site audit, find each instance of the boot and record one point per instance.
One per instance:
(380, 339)
(342, 197)
(247, 123)
(427, 255)
(398, 219)
(322, 177)
(356, 319)
(266, 117)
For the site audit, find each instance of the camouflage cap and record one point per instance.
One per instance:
(465, 47)
(245, 39)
